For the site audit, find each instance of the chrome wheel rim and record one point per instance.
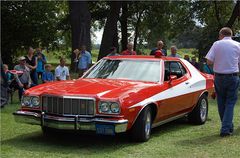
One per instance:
(203, 109)
(148, 124)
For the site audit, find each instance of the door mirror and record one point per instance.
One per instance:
(172, 77)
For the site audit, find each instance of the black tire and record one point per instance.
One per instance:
(199, 114)
(141, 130)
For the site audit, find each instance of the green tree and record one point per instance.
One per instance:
(80, 18)
(26, 23)
(110, 34)
(213, 15)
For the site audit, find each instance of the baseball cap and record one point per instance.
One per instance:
(22, 58)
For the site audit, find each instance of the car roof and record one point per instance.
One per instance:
(141, 57)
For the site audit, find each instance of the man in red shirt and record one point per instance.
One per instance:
(129, 50)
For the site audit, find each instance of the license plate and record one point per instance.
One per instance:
(105, 129)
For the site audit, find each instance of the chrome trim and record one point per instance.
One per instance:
(70, 97)
(74, 97)
(72, 123)
(109, 115)
(168, 120)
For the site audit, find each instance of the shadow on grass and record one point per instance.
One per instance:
(206, 140)
(83, 141)
(68, 140)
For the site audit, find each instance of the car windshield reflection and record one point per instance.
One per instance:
(136, 70)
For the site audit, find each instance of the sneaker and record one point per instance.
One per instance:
(225, 134)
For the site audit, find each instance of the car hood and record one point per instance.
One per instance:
(105, 88)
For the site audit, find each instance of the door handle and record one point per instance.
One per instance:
(186, 82)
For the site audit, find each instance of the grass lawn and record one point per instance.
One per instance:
(176, 139)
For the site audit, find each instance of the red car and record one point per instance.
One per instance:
(119, 94)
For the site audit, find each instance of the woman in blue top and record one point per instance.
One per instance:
(41, 62)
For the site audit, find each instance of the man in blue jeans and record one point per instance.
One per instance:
(225, 57)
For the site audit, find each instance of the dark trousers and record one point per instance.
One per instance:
(34, 77)
(226, 87)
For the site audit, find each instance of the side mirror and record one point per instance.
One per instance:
(172, 77)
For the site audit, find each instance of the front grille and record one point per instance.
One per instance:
(68, 106)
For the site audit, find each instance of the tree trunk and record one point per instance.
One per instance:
(110, 33)
(80, 19)
(217, 14)
(137, 30)
(123, 21)
(235, 14)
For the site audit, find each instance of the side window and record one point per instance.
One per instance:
(174, 68)
(184, 71)
(167, 70)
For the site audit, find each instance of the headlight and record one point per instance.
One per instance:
(109, 107)
(26, 101)
(35, 101)
(30, 101)
(104, 107)
(114, 108)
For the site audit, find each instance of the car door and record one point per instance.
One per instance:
(176, 99)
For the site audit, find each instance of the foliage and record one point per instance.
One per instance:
(27, 23)
(212, 16)
(47, 23)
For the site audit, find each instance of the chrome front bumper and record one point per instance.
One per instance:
(69, 123)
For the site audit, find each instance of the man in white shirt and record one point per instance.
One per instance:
(62, 72)
(225, 57)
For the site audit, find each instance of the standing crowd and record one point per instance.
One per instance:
(33, 67)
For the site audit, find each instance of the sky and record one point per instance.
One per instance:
(98, 38)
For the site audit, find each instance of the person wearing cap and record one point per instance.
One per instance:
(113, 52)
(160, 45)
(129, 50)
(224, 55)
(174, 52)
(24, 80)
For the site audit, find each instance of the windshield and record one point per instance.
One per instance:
(126, 69)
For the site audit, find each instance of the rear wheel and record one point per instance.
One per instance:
(200, 112)
(141, 129)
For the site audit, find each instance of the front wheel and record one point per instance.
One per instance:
(141, 129)
(200, 112)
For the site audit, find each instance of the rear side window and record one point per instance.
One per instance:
(173, 68)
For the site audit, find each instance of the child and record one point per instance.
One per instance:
(47, 75)
(9, 75)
